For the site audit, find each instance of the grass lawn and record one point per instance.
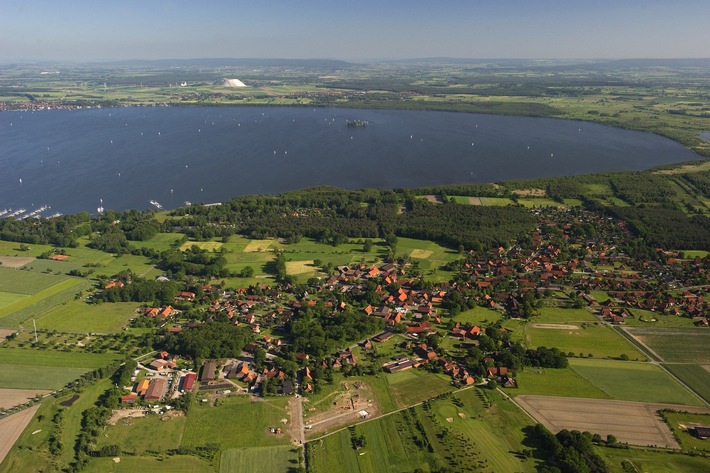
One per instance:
(599, 340)
(30, 453)
(152, 433)
(26, 282)
(680, 422)
(478, 316)
(241, 421)
(496, 201)
(557, 315)
(555, 382)
(649, 461)
(482, 438)
(416, 385)
(79, 316)
(695, 376)
(35, 369)
(676, 345)
(160, 242)
(630, 381)
(9, 298)
(262, 459)
(11, 248)
(646, 318)
(167, 464)
(15, 314)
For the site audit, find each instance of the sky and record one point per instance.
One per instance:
(354, 30)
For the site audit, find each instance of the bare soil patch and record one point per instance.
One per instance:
(15, 397)
(11, 427)
(556, 326)
(15, 262)
(531, 192)
(346, 408)
(120, 414)
(434, 199)
(475, 201)
(634, 422)
(299, 267)
(707, 368)
(6, 332)
(257, 245)
(421, 254)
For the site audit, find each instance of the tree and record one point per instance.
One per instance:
(367, 246)
(246, 272)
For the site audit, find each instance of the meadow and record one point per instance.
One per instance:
(239, 421)
(650, 382)
(155, 464)
(598, 340)
(470, 429)
(681, 422)
(697, 378)
(677, 345)
(262, 459)
(555, 382)
(78, 316)
(413, 386)
(651, 461)
(36, 369)
(152, 433)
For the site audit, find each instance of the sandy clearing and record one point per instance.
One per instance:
(257, 245)
(475, 201)
(11, 427)
(434, 199)
(531, 192)
(634, 422)
(345, 409)
(119, 414)
(707, 368)
(556, 326)
(421, 254)
(15, 397)
(299, 267)
(6, 332)
(15, 262)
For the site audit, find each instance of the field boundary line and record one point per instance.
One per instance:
(655, 357)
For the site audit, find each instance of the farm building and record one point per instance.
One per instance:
(156, 389)
(702, 432)
(208, 370)
(188, 381)
(142, 386)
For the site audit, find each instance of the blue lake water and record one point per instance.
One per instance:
(70, 160)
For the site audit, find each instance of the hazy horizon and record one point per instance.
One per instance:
(85, 31)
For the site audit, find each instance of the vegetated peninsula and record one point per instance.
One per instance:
(440, 328)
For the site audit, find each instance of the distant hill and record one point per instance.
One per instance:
(244, 62)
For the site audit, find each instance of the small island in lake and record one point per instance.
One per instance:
(356, 123)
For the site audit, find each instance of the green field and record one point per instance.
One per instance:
(557, 315)
(152, 433)
(35, 369)
(26, 282)
(241, 421)
(676, 345)
(649, 461)
(78, 316)
(161, 464)
(599, 340)
(680, 422)
(9, 298)
(695, 376)
(30, 453)
(481, 437)
(555, 382)
(630, 381)
(15, 314)
(261, 459)
(478, 316)
(413, 386)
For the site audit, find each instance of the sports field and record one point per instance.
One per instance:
(632, 422)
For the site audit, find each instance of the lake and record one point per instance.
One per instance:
(125, 157)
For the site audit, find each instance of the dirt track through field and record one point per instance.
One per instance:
(11, 427)
(634, 422)
(556, 326)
